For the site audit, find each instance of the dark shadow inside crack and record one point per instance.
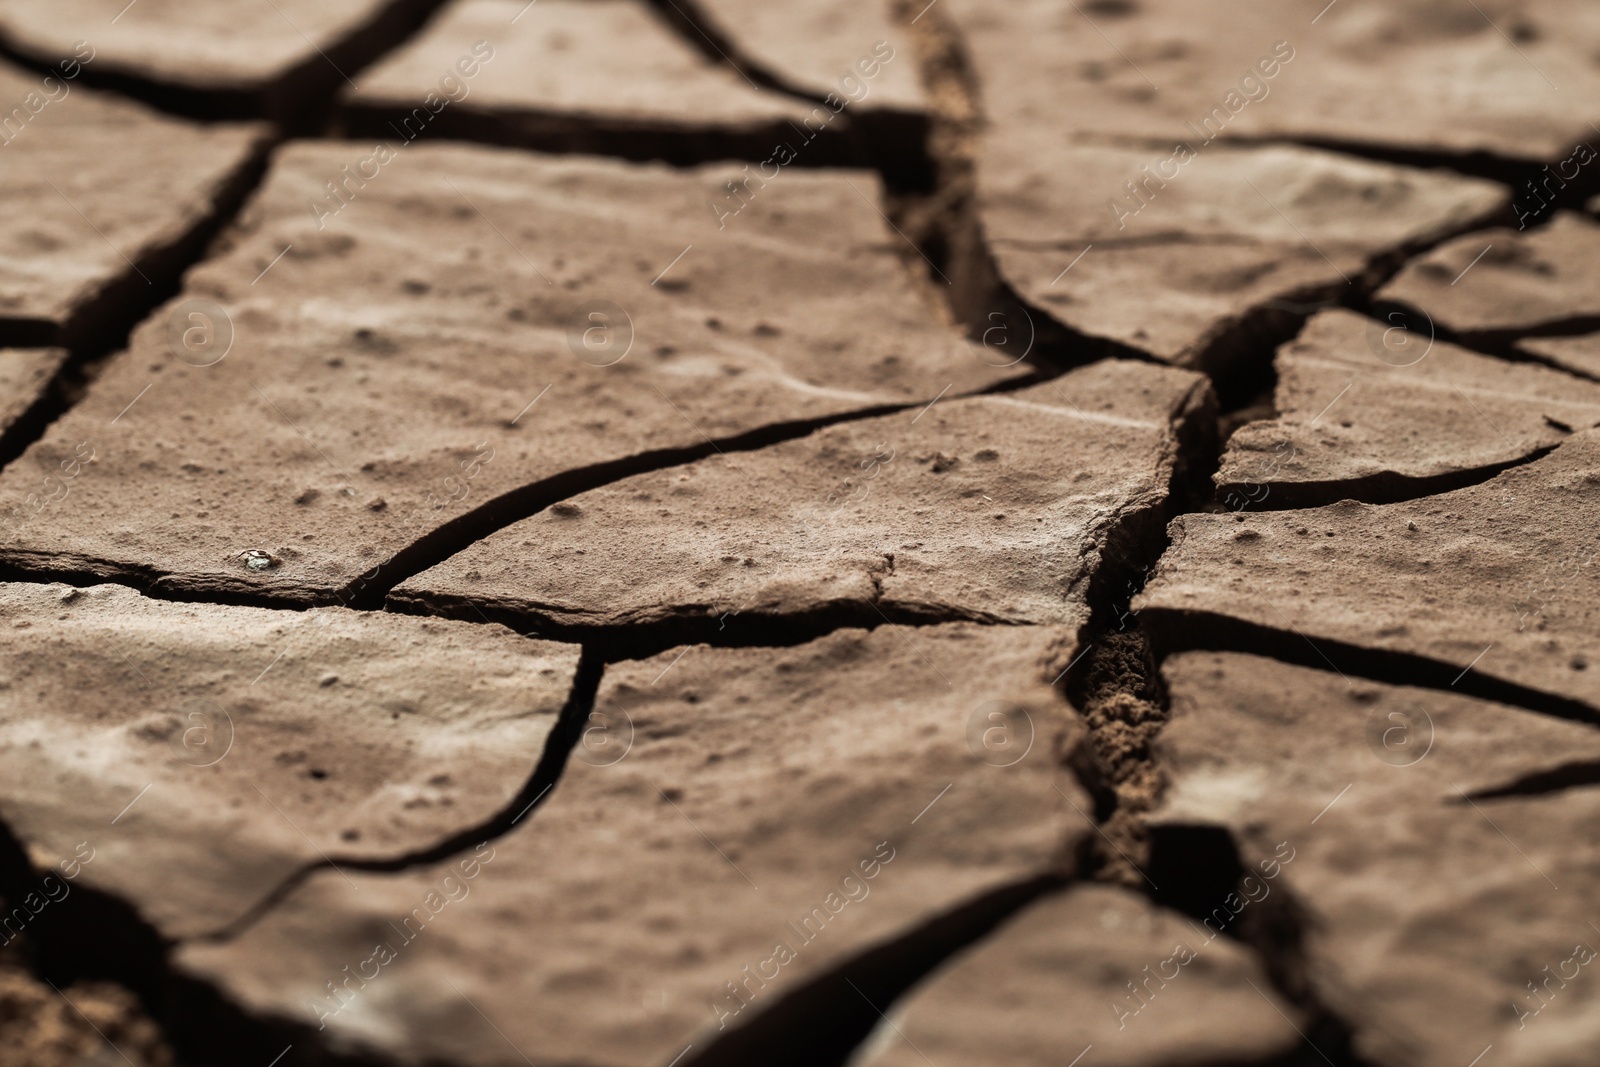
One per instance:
(547, 771)
(1578, 774)
(1175, 630)
(91, 935)
(685, 625)
(1499, 344)
(103, 325)
(636, 140)
(369, 590)
(700, 31)
(1534, 200)
(1382, 487)
(296, 99)
(1199, 869)
(821, 1023)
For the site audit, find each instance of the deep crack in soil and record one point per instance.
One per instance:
(97, 947)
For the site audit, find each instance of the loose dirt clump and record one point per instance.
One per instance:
(40, 1028)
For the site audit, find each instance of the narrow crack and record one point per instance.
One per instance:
(102, 326)
(1383, 487)
(939, 212)
(297, 99)
(1577, 774)
(534, 793)
(1174, 630)
(855, 996)
(639, 140)
(1534, 203)
(1201, 867)
(365, 593)
(439, 544)
(1501, 344)
(91, 935)
(700, 31)
(681, 625)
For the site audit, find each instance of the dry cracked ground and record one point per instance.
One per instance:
(847, 533)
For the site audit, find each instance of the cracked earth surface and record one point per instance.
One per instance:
(685, 533)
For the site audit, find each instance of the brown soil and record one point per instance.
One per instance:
(855, 533)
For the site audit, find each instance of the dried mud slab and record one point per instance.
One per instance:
(1500, 284)
(25, 375)
(1371, 412)
(851, 49)
(97, 199)
(598, 76)
(237, 58)
(1094, 966)
(186, 758)
(996, 508)
(1473, 81)
(1498, 577)
(473, 330)
(1580, 354)
(1438, 849)
(660, 897)
(1196, 268)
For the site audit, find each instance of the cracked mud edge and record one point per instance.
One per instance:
(839, 144)
(102, 326)
(94, 935)
(1517, 173)
(1174, 630)
(1499, 344)
(1113, 554)
(938, 213)
(944, 223)
(892, 141)
(681, 625)
(1201, 865)
(1115, 687)
(296, 99)
(494, 515)
(1122, 701)
(1384, 487)
(1576, 774)
(1239, 354)
(855, 996)
(535, 791)
(368, 592)
(889, 141)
